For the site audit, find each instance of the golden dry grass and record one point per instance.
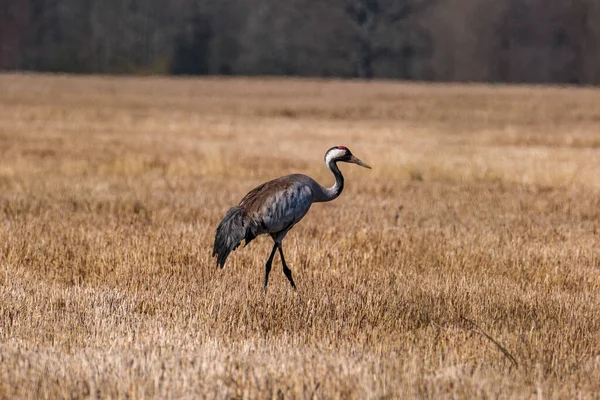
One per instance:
(483, 205)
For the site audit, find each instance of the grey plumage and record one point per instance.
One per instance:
(234, 227)
(275, 207)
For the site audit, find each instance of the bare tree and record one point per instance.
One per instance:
(368, 16)
(13, 25)
(192, 47)
(581, 35)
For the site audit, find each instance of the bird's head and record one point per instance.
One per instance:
(343, 154)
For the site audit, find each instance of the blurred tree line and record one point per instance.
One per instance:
(439, 40)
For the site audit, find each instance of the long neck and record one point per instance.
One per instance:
(328, 194)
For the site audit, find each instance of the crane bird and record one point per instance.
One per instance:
(275, 207)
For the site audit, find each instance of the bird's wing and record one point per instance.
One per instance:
(279, 204)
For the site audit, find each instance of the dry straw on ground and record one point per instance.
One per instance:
(474, 239)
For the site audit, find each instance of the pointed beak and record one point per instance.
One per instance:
(356, 160)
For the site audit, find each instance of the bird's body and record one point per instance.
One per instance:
(278, 204)
(275, 207)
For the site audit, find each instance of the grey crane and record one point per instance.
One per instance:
(275, 207)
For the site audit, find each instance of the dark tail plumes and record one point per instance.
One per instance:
(234, 227)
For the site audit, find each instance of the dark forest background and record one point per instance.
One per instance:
(556, 41)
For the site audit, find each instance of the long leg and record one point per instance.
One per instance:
(286, 270)
(268, 266)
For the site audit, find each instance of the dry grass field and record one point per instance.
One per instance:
(465, 264)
